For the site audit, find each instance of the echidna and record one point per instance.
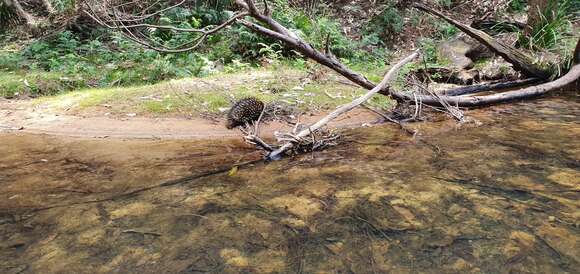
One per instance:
(244, 111)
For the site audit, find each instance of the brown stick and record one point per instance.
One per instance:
(490, 86)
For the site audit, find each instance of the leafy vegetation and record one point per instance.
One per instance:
(104, 59)
(98, 61)
(555, 25)
(554, 35)
(386, 25)
(517, 6)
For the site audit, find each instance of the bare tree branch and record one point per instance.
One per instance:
(520, 94)
(491, 86)
(389, 77)
(131, 26)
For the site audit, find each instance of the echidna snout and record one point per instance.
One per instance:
(229, 124)
(247, 110)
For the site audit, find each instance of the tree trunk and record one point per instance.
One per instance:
(21, 13)
(576, 57)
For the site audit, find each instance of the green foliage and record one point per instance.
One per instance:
(100, 58)
(554, 34)
(316, 30)
(446, 30)
(37, 84)
(517, 6)
(552, 28)
(446, 3)
(9, 61)
(62, 5)
(272, 51)
(103, 63)
(429, 50)
(385, 25)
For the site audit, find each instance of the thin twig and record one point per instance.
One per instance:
(141, 232)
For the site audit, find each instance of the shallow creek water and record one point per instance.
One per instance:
(499, 197)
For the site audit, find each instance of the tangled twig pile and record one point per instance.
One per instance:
(317, 140)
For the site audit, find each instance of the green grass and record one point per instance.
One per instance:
(36, 83)
(213, 94)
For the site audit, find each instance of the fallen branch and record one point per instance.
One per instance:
(453, 111)
(490, 86)
(525, 93)
(389, 77)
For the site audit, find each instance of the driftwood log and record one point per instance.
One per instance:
(520, 94)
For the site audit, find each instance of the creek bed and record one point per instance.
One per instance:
(499, 197)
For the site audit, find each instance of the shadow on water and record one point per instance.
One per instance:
(500, 197)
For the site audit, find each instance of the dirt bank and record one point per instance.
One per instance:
(24, 116)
